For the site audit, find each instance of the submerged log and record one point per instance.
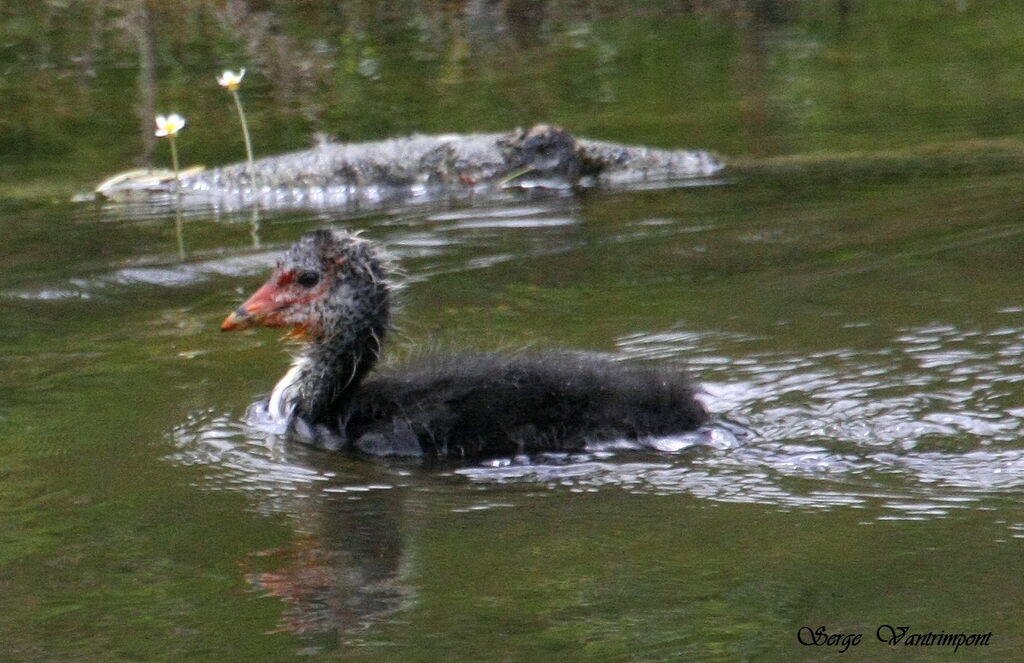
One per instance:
(429, 167)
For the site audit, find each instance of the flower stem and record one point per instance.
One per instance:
(245, 132)
(178, 230)
(177, 196)
(255, 227)
(174, 161)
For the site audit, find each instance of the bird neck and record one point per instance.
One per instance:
(333, 369)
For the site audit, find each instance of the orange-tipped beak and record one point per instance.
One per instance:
(262, 308)
(238, 319)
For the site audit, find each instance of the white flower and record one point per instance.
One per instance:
(230, 80)
(169, 125)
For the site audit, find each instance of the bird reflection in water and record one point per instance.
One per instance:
(343, 572)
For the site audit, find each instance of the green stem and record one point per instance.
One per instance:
(177, 195)
(174, 161)
(178, 230)
(245, 132)
(255, 228)
(519, 173)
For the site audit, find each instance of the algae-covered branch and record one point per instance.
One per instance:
(418, 167)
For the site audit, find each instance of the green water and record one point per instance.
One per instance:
(850, 295)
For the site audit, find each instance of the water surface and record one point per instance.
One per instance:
(858, 335)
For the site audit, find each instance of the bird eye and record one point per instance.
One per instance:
(308, 279)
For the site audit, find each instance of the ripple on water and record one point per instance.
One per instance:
(926, 426)
(240, 458)
(162, 275)
(538, 230)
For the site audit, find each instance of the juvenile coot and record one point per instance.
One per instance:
(331, 288)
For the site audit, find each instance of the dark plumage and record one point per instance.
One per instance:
(332, 289)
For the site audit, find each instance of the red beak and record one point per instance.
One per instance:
(262, 308)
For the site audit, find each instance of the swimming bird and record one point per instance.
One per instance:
(332, 290)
